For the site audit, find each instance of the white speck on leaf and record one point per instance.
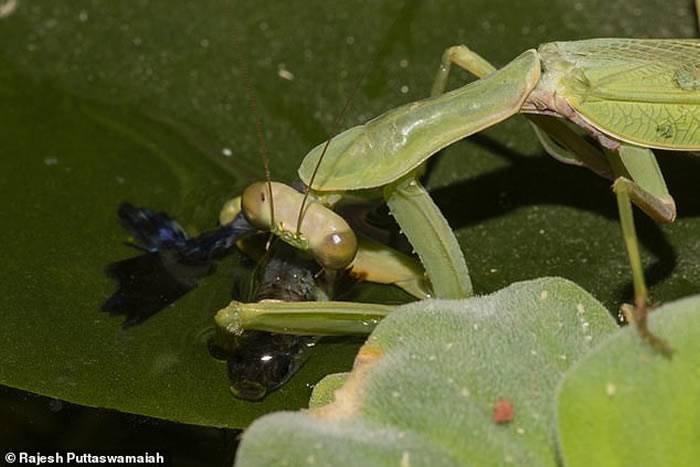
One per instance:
(7, 8)
(284, 73)
(610, 389)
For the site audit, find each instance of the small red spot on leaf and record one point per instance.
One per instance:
(503, 411)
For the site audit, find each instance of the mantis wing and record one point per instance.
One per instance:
(641, 91)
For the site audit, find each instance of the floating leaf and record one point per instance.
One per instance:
(625, 405)
(425, 384)
(106, 101)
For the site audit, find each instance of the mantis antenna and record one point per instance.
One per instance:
(334, 130)
(262, 145)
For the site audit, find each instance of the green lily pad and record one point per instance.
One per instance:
(424, 386)
(107, 101)
(625, 405)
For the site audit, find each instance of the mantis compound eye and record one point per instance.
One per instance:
(255, 205)
(337, 250)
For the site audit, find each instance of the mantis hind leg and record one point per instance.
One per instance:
(626, 191)
(639, 181)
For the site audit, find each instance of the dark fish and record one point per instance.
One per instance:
(264, 361)
(173, 264)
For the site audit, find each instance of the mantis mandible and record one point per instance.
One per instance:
(626, 95)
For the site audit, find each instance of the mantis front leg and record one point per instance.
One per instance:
(432, 238)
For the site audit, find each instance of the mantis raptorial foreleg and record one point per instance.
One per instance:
(427, 230)
(559, 139)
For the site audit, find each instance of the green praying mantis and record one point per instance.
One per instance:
(599, 103)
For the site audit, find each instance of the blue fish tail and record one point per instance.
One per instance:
(156, 231)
